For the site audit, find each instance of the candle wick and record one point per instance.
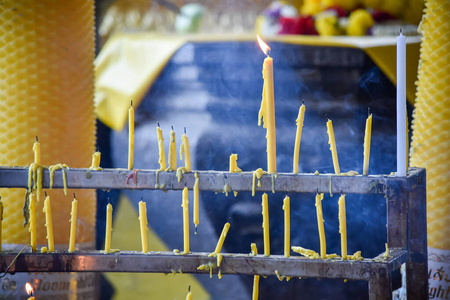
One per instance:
(131, 103)
(195, 230)
(45, 193)
(172, 127)
(189, 288)
(401, 30)
(37, 140)
(229, 220)
(158, 124)
(368, 111)
(74, 195)
(303, 102)
(184, 130)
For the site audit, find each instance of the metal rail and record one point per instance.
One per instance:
(17, 177)
(168, 262)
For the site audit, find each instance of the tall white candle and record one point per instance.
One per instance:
(401, 105)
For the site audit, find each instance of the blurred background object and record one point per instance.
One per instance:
(47, 51)
(431, 138)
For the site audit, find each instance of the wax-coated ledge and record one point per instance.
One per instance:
(169, 262)
(17, 177)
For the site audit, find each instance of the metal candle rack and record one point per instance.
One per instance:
(406, 228)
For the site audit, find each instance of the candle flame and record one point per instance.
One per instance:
(264, 47)
(29, 289)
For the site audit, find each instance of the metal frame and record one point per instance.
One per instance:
(406, 228)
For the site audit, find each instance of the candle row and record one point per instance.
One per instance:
(31, 205)
(320, 221)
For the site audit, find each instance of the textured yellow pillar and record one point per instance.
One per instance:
(46, 90)
(431, 140)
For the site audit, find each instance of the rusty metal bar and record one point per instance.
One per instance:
(417, 264)
(17, 177)
(168, 262)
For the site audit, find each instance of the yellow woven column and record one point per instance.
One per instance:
(431, 125)
(46, 90)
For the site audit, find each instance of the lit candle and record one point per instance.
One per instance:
(298, 136)
(255, 277)
(343, 226)
(131, 137)
(143, 221)
(109, 210)
(196, 202)
(37, 152)
(332, 143)
(1, 219)
(172, 152)
(162, 153)
(32, 229)
(184, 148)
(367, 138)
(287, 226)
(30, 291)
(185, 206)
(323, 243)
(189, 294)
(267, 110)
(223, 235)
(265, 224)
(73, 224)
(401, 105)
(95, 161)
(49, 223)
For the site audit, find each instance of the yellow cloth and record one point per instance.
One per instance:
(129, 63)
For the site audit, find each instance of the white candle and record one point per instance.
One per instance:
(401, 105)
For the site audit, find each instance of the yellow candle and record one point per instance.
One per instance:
(323, 243)
(233, 164)
(233, 167)
(185, 148)
(143, 221)
(162, 153)
(367, 138)
(196, 202)
(265, 225)
(298, 137)
(37, 152)
(49, 224)
(131, 137)
(32, 229)
(287, 226)
(255, 277)
(332, 143)
(73, 224)
(343, 226)
(95, 161)
(185, 206)
(189, 294)
(1, 219)
(172, 152)
(267, 110)
(109, 210)
(223, 235)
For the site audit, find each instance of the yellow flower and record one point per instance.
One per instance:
(359, 21)
(328, 25)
